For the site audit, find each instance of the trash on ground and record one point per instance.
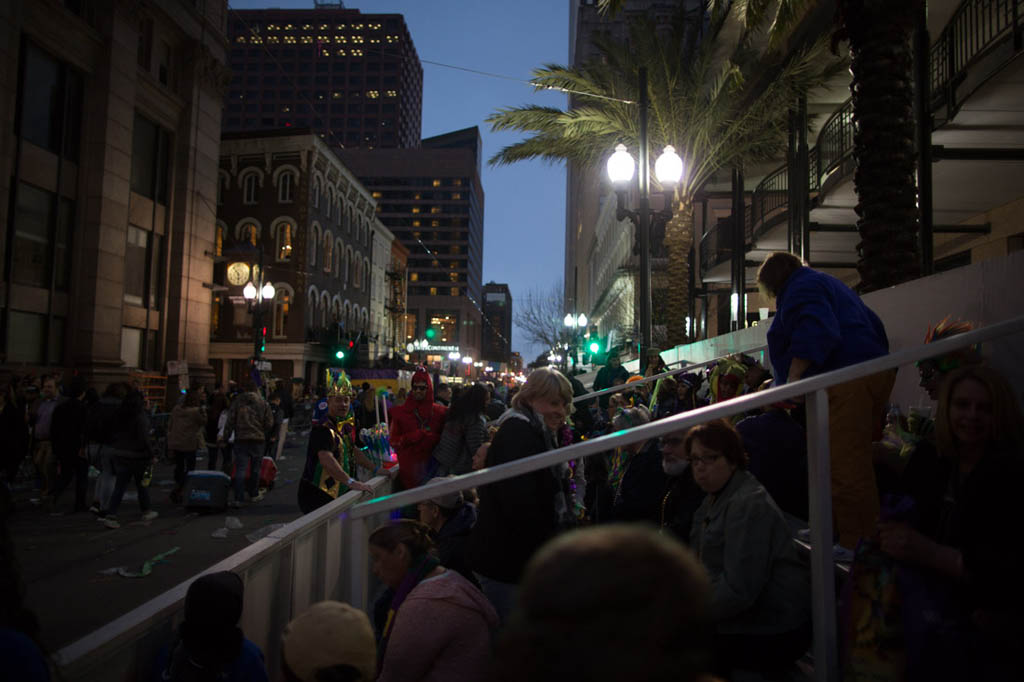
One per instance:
(232, 522)
(219, 533)
(263, 532)
(145, 570)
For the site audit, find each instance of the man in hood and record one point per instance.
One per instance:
(250, 418)
(416, 428)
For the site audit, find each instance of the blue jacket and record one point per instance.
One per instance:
(820, 319)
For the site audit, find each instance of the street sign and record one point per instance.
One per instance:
(264, 366)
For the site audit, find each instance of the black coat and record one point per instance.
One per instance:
(516, 515)
(453, 541)
(679, 503)
(642, 488)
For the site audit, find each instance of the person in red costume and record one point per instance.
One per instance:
(416, 428)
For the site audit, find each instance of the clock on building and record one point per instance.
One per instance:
(238, 274)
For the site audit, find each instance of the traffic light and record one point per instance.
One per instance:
(339, 354)
(430, 333)
(595, 347)
(263, 340)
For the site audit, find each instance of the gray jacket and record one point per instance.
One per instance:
(249, 417)
(758, 584)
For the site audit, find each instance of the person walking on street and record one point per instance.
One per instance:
(821, 325)
(184, 436)
(132, 454)
(14, 431)
(249, 418)
(416, 427)
(40, 418)
(68, 439)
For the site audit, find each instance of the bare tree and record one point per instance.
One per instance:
(540, 316)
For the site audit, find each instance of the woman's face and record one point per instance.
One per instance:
(711, 469)
(390, 566)
(970, 413)
(552, 410)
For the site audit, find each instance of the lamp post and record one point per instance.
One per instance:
(668, 169)
(575, 324)
(256, 294)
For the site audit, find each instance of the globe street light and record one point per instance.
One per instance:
(669, 170)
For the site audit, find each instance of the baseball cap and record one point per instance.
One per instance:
(327, 634)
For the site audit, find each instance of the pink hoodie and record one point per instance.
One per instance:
(442, 632)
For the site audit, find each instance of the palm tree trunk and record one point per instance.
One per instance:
(882, 92)
(678, 240)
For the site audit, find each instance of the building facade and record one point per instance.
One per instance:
(497, 323)
(353, 78)
(433, 201)
(111, 122)
(290, 213)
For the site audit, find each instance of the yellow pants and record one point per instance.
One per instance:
(854, 410)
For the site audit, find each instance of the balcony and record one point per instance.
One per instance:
(975, 103)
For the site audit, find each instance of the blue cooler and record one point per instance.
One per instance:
(206, 491)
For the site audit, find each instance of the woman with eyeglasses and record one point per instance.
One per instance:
(759, 589)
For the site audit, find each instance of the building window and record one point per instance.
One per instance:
(250, 233)
(328, 251)
(143, 260)
(314, 241)
(220, 189)
(51, 103)
(433, 291)
(215, 315)
(436, 183)
(316, 194)
(284, 242)
(150, 149)
(455, 291)
(250, 189)
(329, 201)
(284, 188)
(163, 73)
(282, 306)
(218, 240)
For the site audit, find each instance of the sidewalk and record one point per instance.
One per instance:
(66, 560)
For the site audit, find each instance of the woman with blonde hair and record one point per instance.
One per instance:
(520, 514)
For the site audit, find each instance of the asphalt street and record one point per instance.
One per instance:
(66, 560)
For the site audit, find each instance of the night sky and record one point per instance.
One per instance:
(524, 207)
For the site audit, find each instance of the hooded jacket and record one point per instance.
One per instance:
(249, 417)
(442, 632)
(416, 427)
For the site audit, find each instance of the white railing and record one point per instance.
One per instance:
(325, 555)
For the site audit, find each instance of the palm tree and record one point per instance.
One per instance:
(701, 103)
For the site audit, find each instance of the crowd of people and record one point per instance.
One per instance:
(668, 559)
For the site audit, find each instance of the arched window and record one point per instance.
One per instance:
(251, 180)
(312, 296)
(285, 187)
(366, 274)
(250, 233)
(325, 304)
(336, 310)
(316, 193)
(282, 307)
(223, 180)
(284, 241)
(356, 276)
(339, 253)
(314, 244)
(348, 220)
(339, 208)
(328, 251)
(329, 200)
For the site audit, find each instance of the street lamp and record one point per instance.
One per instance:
(256, 295)
(669, 170)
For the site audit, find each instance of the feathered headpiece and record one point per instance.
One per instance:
(338, 384)
(954, 359)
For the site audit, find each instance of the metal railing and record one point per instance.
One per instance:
(324, 554)
(814, 389)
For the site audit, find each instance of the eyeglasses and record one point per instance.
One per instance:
(671, 442)
(704, 460)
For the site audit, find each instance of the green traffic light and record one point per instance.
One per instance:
(430, 333)
(340, 354)
(595, 347)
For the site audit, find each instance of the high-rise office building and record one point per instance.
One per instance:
(497, 327)
(433, 201)
(353, 78)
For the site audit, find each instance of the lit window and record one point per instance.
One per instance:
(240, 39)
(416, 223)
(256, 40)
(328, 251)
(273, 40)
(289, 27)
(336, 95)
(340, 53)
(456, 195)
(218, 241)
(414, 276)
(435, 209)
(357, 53)
(435, 223)
(307, 27)
(415, 209)
(273, 27)
(284, 242)
(372, 94)
(453, 276)
(391, 93)
(455, 291)
(376, 195)
(435, 264)
(457, 182)
(250, 234)
(324, 27)
(416, 235)
(437, 182)
(433, 291)
(340, 39)
(325, 53)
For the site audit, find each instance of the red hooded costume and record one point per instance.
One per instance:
(416, 427)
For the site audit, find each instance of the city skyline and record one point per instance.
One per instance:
(525, 202)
